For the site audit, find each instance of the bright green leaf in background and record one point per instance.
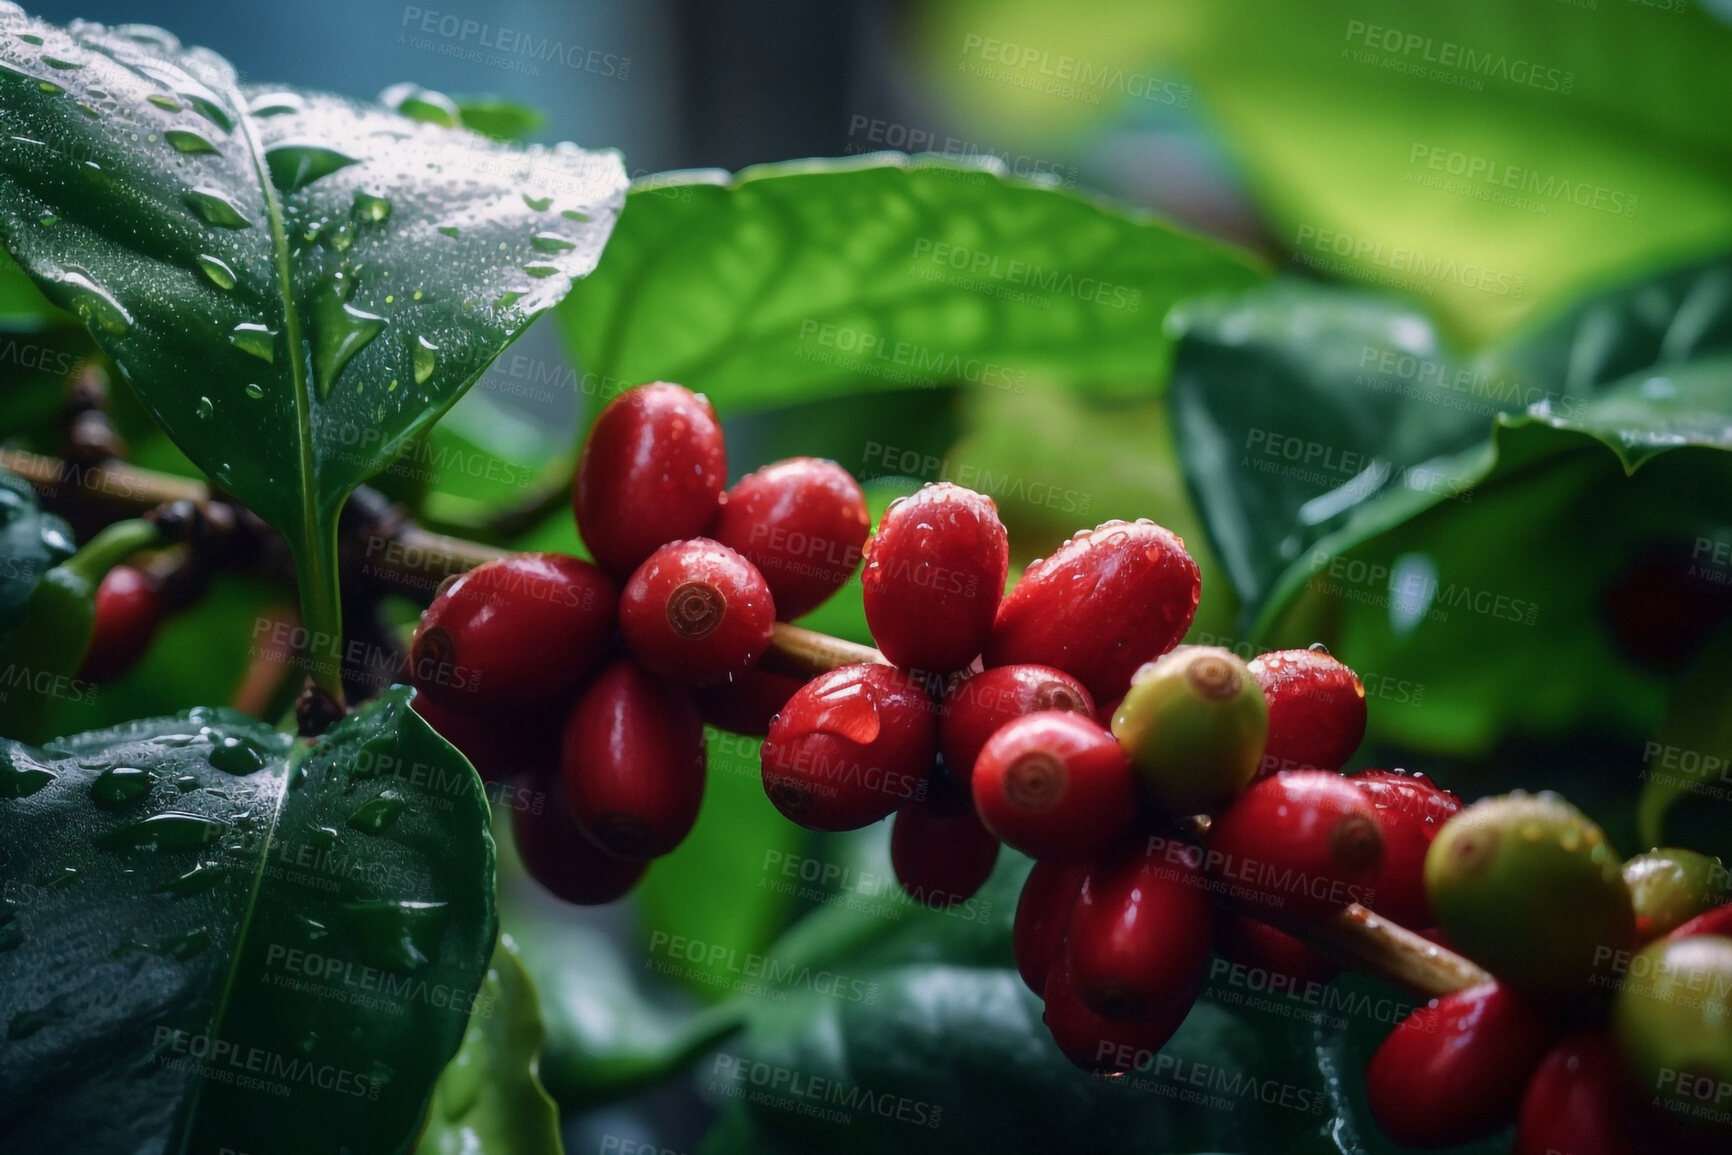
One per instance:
(215, 938)
(297, 285)
(1487, 157)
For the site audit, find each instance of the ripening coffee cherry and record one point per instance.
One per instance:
(1411, 809)
(560, 856)
(749, 703)
(514, 633)
(1316, 710)
(1716, 921)
(1527, 886)
(1139, 937)
(850, 747)
(128, 610)
(1055, 786)
(1671, 886)
(501, 747)
(1578, 1102)
(1193, 724)
(651, 472)
(697, 612)
(1105, 602)
(1097, 1044)
(1672, 1017)
(803, 522)
(977, 706)
(934, 574)
(942, 855)
(1453, 1071)
(1043, 913)
(1266, 951)
(633, 762)
(1298, 845)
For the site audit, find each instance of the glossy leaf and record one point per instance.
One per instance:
(490, 1099)
(31, 543)
(296, 284)
(798, 280)
(218, 939)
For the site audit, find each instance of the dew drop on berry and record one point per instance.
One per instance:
(848, 711)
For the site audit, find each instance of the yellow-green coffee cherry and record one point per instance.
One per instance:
(1673, 1021)
(1671, 886)
(1527, 886)
(1194, 723)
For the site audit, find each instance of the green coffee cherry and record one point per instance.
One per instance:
(1193, 722)
(1527, 886)
(1671, 886)
(1673, 1020)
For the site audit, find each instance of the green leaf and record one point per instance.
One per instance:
(793, 281)
(222, 940)
(296, 284)
(490, 1099)
(31, 544)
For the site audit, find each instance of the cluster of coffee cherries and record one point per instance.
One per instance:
(1607, 1026)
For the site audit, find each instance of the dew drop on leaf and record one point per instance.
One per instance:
(539, 204)
(216, 209)
(259, 340)
(368, 207)
(217, 270)
(399, 936)
(94, 306)
(551, 243)
(165, 102)
(448, 230)
(294, 166)
(185, 140)
(255, 391)
(425, 359)
(204, 409)
(376, 815)
(21, 776)
(276, 104)
(119, 785)
(575, 215)
(340, 330)
(541, 270)
(50, 88)
(164, 831)
(234, 755)
(61, 64)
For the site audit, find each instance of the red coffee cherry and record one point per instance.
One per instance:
(1301, 844)
(1578, 1102)
(1105, 602)
(1097, 1044)
(803, 522)
(1454, 1070)
(1716, 921)
(933, 577)
(651, 472)
(697, 612)
(633, 762)
(1043, 912)
(941, 856)
(1316, 710)
(1055, 785)
(977, 706)
(513, 633)
(850, 747)
(560, 856)
(1139, 937)
(1257, 946)
(749, 703)
(128, 610)
(1410, 810)
(500, 748)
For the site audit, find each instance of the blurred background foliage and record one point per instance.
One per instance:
(1322, 186)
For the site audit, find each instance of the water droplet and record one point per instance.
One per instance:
(50, 88)
(119, 785)
(322, 837)
(21, 775)
(217, 270)
(575, 215)
(94, 305)
(849, 712)
(204, 410)
(201, 877)
(206, 105)
(217, 209)
(61, 64)
(425, 359)
(237, 756)
(377, 814)
(89, 110)
(368, 207)
(165, 102)
(185, 140)
(1318, 648)
(31, 38)
(551, 243)
(255, 391)
(294, 166)
(276, 104)
(539, 204)
(508, 298)
(541, 270)
(259, 340)
(448, 230)
(340, 330)
(166, 830)
(399, 936)
(46, 219)
(186, 783)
